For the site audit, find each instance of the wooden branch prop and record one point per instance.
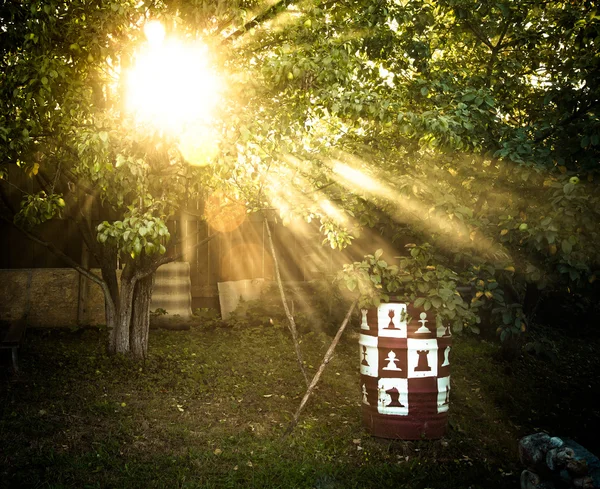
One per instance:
(317, 376)
(291, 322)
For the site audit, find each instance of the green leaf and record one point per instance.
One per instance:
(121, 160)
(419, 302)
(585, 141)
(566, 246)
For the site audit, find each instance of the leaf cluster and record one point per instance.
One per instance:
(38, 208)
(418, 279)
(136, 234)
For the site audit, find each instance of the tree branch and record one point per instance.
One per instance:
(257, 19)
(498, 45)
(479, 35)
(291, 322)
(575, 115)
(144, 272)
(6, 201)
(317, 376)
(67, 259)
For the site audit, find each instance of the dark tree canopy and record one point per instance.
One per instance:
(467, 128)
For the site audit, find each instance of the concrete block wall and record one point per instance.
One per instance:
(51, 295)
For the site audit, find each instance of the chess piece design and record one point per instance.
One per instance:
(363, 324)
(364, 360)
(391, 359)
(423, 329)
(364, 393)
(446, 359)
(391, 314)
(395, 395)
(447, 331)
(422, 363)
(443, 395)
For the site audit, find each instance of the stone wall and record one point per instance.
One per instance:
(51, 295)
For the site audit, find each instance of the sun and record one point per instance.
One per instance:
(172, 83)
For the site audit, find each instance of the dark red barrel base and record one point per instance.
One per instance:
(385, 426)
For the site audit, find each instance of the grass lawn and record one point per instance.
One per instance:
(209, 406)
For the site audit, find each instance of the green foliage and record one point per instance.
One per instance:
(467, 125)
(63, 119)
(158, 312)
(478, 137)
(38, 208)
(136, 234)
(159, 424)
(206, 313)
(415, 279)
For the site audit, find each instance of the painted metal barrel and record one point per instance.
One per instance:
(404, 372)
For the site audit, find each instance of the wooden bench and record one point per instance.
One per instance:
(12, 340)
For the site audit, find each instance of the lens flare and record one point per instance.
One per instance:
(199, 145)
(223, 213)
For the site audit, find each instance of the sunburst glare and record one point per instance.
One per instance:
(171, 83)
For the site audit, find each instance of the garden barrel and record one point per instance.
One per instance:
(404, 372)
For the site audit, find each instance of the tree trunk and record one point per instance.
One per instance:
(121, 330)
(111, 309)
(111, 321)
(108, 265)
(119, 341)
(140, 319)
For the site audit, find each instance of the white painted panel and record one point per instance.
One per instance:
(369, 356)
(392, 397)
(422, 358)
(443, 400)
(393, 326)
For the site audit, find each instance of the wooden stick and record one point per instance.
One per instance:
(291, 322)
(317, 376)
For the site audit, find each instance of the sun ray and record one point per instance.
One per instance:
(409, 209)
